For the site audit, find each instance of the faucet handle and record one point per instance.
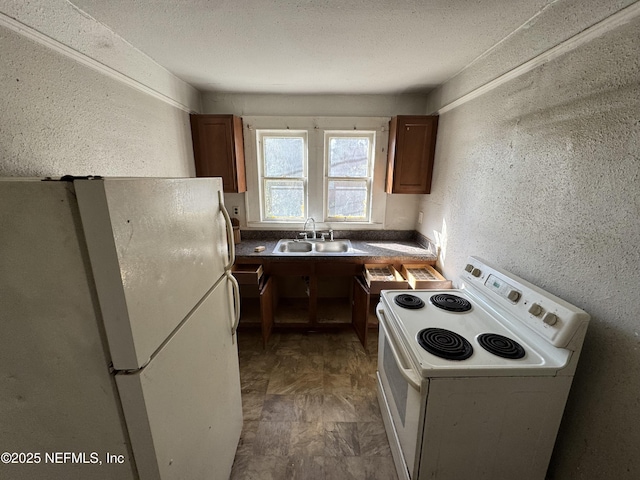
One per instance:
(331, 235)
(303, 235)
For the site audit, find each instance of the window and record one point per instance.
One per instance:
(349, 171)
(283, 167)
(329, 168)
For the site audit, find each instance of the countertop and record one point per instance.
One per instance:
(363, 250)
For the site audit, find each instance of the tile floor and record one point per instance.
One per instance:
(310, 409)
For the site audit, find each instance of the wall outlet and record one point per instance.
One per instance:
(419, 218)
(235, 210)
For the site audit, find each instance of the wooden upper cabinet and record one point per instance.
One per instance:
(412, 145)
(218, 150)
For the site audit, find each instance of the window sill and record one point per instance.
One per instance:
(319, 226)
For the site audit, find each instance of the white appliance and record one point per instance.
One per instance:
(472, 382)
(118, 345)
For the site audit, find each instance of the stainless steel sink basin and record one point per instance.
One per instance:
(313, 247)
(333, 246)
(291, 246)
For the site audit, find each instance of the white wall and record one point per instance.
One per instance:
(77, 99)
(541, 176)
(401, 210)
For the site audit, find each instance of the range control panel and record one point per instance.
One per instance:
(548, 315)
(503, 289)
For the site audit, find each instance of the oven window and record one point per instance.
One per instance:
(398, 384)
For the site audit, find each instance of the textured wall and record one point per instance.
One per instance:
(61, 117)
(314, 105)
(558, 21)
(62, 21)
(541, 176)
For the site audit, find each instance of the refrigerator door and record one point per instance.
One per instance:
(156, 246)
(183, 410)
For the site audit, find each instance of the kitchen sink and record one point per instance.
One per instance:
(312, 247)
(333, 246)
(292, 246)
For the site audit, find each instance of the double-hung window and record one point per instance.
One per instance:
(283, 170)
(330, 169)
(348, 162)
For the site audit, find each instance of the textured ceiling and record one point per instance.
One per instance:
(313, 46)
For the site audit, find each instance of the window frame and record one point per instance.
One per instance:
(279, 133)
(315, 127)
(328, 135)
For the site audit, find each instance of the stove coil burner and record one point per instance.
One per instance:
(409, 301)
(501, 346)
(451, 303)
(444, 343)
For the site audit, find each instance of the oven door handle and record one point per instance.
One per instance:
(407, 372)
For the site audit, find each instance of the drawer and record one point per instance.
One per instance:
(424, 276)
(247, 274)
(383, 277)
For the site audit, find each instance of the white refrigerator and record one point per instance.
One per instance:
(118, 311)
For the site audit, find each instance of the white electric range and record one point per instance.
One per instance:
(472, 382)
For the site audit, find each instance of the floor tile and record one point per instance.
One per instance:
(294, 383)
(272, 438)
(278, 408)
(307, 439)
(247, 438)
(308, 408)
(253, 382)
(344, 468)
(341, 439)
(299, 363)
(373, 439)
(367, 408)
(252, 405)
(258, 467)
(338, 408)
(305, 468)
(379, 468)
(363, 384)
(337, 383)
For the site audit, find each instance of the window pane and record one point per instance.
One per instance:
(283, 156)
(347, 198)
(348, 156)
(284, 199)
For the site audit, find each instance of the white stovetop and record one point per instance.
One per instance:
(406, 323)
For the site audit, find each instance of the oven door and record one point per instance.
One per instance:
(402, 397)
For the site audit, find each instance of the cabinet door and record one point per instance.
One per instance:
(218, 149)
(412, 142)
(266, 309)
(360, 310)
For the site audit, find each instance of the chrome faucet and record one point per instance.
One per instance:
(314, 227)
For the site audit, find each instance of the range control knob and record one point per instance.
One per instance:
(476, 272)
(535, 310)
(468, 268)
(513, 295)
(550, 318)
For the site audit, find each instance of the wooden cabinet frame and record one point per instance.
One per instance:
(360, 292)
(218, 150)
(412, 144)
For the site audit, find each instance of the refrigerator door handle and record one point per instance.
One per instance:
(236, 302)
(227, 220)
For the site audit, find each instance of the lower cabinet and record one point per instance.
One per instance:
(360, 309)
(311, 296)
(257, 298)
